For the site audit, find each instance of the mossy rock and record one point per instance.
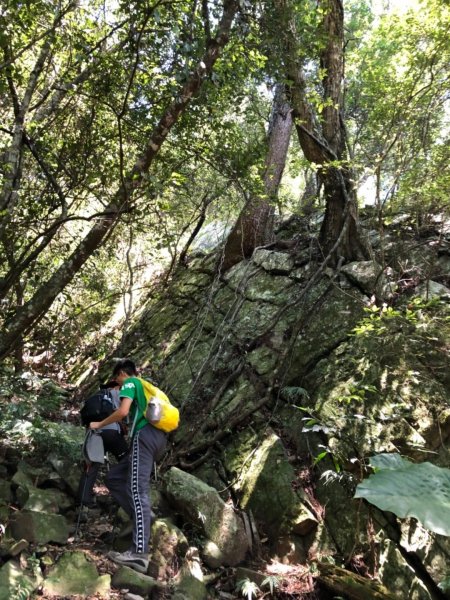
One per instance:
(39, 527)
(190, 588)
(74, 574)
(202, 505)
(137, 583)
(13, 579)
(375, 393)
(264, 480)
(241, 396)
(338, 315)
(5, 492)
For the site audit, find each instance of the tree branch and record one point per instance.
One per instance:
(32, 311)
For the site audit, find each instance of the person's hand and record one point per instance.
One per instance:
(94, 425)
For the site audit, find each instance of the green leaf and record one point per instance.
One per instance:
(420, 490)
(319, 457)
(389, 461)
(272, 581)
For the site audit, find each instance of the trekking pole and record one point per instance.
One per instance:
(88, 466)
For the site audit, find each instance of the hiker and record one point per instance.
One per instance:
(129, 480)
(113, 441)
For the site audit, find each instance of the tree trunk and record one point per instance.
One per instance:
(254, 226)
(310, 193)
(324, 144)
(36, 307)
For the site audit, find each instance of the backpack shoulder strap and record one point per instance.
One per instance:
(138, 410)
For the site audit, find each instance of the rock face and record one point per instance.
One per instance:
(202, 505)
(264, 479)
(274, 262)
(367, 275)
(287, 388)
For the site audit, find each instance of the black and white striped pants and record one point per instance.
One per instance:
(129, 482)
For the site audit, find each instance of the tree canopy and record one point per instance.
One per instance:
(127, 126)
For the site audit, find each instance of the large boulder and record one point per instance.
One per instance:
(65, 469)
(263, 478)
(278, 263)
(30, 497)
(168, 543)
(39, 527)
(73, 575)
(39, 476)
(202, 505)
(367, 275)
(432, 289)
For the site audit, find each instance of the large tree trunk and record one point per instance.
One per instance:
(310, 194)
(339, 190)
(323, 140)
(36, 307)
(254, 226)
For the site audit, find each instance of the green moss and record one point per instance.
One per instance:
(263, 479)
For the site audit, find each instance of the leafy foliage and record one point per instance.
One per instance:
(397, 104)
(272, 582)
(444, 585)
(247, 588)
(106, 76)
(28, 409)
(400, 486)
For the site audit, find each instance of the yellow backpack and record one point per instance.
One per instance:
(160, 412)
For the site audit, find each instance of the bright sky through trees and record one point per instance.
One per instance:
(398, 6)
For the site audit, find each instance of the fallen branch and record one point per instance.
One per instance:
(352, 585)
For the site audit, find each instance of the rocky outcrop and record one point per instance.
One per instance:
(202, 505)
(263, 478)
(289, 377)
(137, 583)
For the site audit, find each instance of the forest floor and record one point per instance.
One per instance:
(95, 536)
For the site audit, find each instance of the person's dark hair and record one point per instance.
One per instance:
(108, 385)
(125, 365)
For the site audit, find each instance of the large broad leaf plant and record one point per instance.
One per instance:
(407, 489)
